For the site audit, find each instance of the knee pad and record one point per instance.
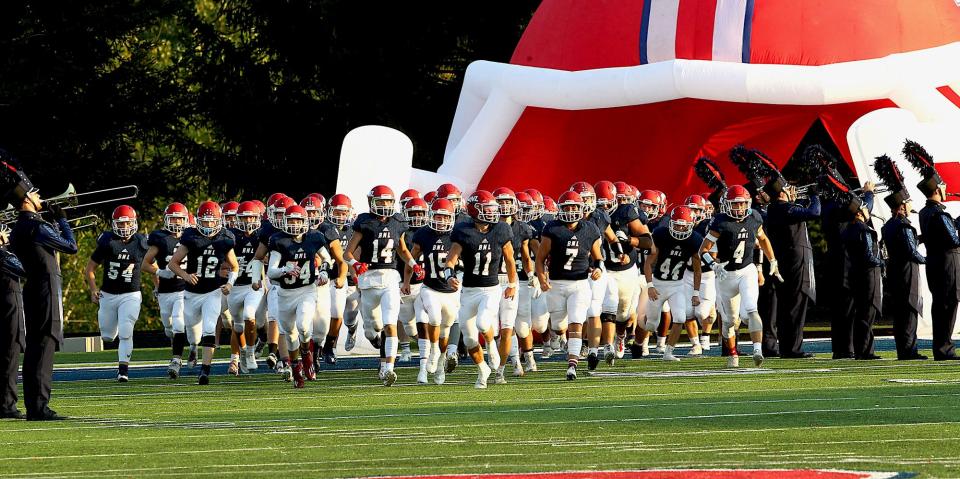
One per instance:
(608, 317)
(238, 327)
(756, 324)
(470, 342)
(208, 341)
(168, 332)
(523, 329)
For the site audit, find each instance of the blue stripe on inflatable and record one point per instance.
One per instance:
(747, 28)
(644, 31)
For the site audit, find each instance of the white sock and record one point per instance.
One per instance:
(451, 349)
(390, 346)
(593, 351)
(695, 341)
(406, 346)
(668, 349)
(705, 339)
(435, 350)
(646, 342)
(389, 367)
(574, 345)
(757, 348)
(661, 341)
(234, 357)
(424, 346)
(125, 350)
(494, 355)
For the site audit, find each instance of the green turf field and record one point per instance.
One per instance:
(639, 414)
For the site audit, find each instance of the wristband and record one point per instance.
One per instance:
(232, 277)
(707, 259)
(447, 273)
(512, 285)
(596, 263)
(351, 262)
(696, 294)
(412, 263)
(617, 248)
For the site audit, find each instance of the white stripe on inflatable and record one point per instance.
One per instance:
(728, 24)
(662, 30)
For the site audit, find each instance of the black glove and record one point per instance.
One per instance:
(56, 211)
(812, 190)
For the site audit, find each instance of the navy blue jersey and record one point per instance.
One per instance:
(245, 249)
(434, 247)
(737, 239)
(205, 257)
(521, 232)
(701, 229)
(379, 241)
(537, 225)
(302, 254)
(462, 218)
(620, 221)
(344, 233)
(673, 254)
(121, 262)
(166, 243)
(408, 240)
(265, 232)
(482, 252)
(570, 249)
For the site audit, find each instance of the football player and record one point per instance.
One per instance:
(314, 205)
(246, 304)
(529, 294)
(121, 252)
(415, 215)
(162, 244)
(380, 236)
(277, 205)
(344, 302)
(509, 307)
(735, 234)
(538, 305)
(483, 244)
(294, 257)
(572, 248)
(705, 312)
(438, 302)
(676, 246)
(206, 248)
(598, 288)
(453, 194)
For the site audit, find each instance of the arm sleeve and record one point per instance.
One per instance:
(910, 239)
(62, 241)
(799, 213)
(274, 271)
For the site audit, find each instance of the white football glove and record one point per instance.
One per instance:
(323, 278)
(775, 270)
(165, 274)
(534, 284)
(621, 236)
(720, 269)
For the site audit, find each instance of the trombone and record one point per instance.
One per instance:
(70, 199)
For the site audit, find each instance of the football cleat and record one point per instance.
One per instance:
(307, 365)
(192, 358)
(422, 377)
(668, 356)
(272, 361)
(286, 373)
(297, 373)
(531, 364)
(547, 351)
(609, 355)
(757, 358)
(242, 362)
(644, 350)
(620, 346)
(561, 344)
(234, 368)
(251, 361)
(173, 371)
(571, 373)
(696, 350)
(258, 348)
(351, 339)
(517, 367)
(405, 354)
(330, 356)
(122, 378)
(441, 374)
(593, 361)
(389, 378)
(584, 351)
(452, 361)
(204, 379)
(705, 342)
(499, 376)
(733, 361)
(434, 358)
(482, 375)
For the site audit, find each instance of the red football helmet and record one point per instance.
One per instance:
(537, 198)
(381, 201)
(606, 194)
(482, 206)
(587, 193)
(415, 212)
(451, 192)
(663, 201)
(526, 206)
(321, 198)
(191, 220)
(429, 196)
(229, 209)
(248, 216)
(549, 206)
(507, 200)
(280, 206)
(209, 218)
(407, 196)
(698, 205)
(296, 221)
(314, 208)
(682, 221)
(271, 200)
(649, 201)
(571, 206)
(340, 210)
(738, 201)
(262, 208)
(625, 192)
(124, 221)
(176, 218)
(442, 215)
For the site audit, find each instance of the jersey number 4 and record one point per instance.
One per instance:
(386, 252)
(738, 252)
(671, 274)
